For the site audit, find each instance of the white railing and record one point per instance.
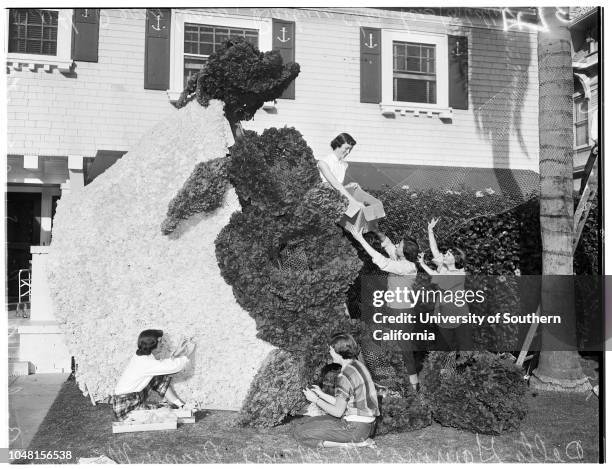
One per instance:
(25, 288)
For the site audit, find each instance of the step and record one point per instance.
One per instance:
(18, 368)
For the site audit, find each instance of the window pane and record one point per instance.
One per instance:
(581, 123)
(413, 57)
(192, 66)
(190, 48)
(413, 50)
(50, 34)
(49, 18)
(581, 109)
(18, 16)
(253, 38)
(34, 47)
(49, 48)
(413, 65)
(201, 40)
(206, 48)
(33, 31)
(582, 134)
(414, 90)
(191, 32)
(206, 36)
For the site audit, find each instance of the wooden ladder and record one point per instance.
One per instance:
(580, 217)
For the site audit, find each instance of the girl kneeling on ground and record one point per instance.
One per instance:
(145, 373)
(352, 411)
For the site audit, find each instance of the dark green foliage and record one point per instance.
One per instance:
(403, 414)
(276, 391)
(502, 294)
(288, 263)
(496, 246)
(273, 170)
(589, 284)
(476, 391)
(588, 251)
(202, 192)
(293, 309)
(321, 206)
(496, 242)
(242, 77)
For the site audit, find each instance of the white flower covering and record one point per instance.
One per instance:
(113, 274)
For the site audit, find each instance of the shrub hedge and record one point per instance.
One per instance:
(403, 414)
(476, 391)
(497, 244)
(497, 235)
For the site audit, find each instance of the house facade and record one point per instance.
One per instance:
(451, 90)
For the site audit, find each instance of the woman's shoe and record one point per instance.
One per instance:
(369, 443)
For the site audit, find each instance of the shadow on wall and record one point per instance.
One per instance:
(497, 108)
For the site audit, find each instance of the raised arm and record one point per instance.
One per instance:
(426, 268)
(432, 238)
(166, 366)
(387, 245)
(384, 263)
(364, 244)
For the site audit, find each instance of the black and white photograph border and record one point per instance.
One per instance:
(215, 214)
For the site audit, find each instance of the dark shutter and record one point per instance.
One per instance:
(157, 49)
(458, 72)
(283, 40)
(86, 23)
(370, 71)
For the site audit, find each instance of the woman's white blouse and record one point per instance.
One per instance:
(142, 368)
(336, 166)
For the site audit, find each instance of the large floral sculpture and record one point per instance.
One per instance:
(114, 273)
(131, 252)
(239, 251)
(289, 264)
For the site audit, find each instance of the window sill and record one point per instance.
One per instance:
(270, 106)
(173, 95)
(391, 110)
(31, 62)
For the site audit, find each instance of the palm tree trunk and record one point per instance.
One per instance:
(559, 368)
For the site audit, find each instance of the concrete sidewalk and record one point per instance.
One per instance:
(30, 398)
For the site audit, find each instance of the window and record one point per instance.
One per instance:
(581, 121)
(195, 35)
(414, 71)
(39, 37)
(33, 31)
(201, 40)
